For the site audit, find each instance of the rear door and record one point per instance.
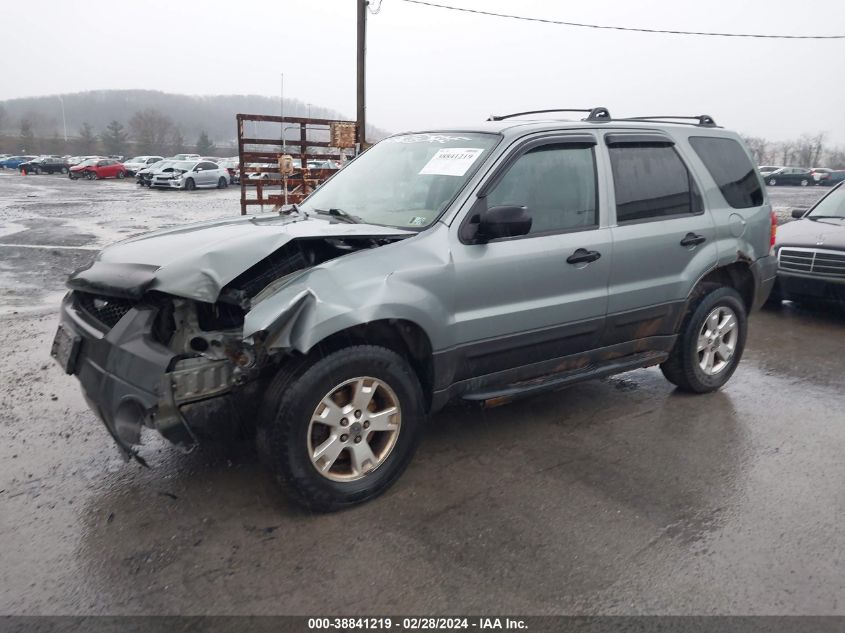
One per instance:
(518, 300)
(663, 236)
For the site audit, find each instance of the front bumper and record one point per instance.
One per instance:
(168, 184)
(132, 381)
(797, 286)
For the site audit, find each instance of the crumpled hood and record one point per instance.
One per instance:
(808, 233)
(197, 260)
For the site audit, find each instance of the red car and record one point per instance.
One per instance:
(96, 168)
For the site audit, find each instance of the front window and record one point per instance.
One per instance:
(831, 206)
(404, 181)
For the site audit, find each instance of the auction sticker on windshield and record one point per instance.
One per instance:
(451, 161)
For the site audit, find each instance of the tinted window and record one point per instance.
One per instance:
(208, 165)
(651, 181)
(558, 185)
(730, 167)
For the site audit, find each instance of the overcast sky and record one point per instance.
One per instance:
(430, 67)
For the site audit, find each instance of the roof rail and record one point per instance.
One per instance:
(704, 120)
(594, 114)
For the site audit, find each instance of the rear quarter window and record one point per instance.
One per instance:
(730, 167)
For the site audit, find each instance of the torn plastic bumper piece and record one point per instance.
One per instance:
(131, 381)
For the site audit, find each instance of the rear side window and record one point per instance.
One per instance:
(651, 181)
(730, 167)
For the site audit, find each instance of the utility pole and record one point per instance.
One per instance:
(361, 117)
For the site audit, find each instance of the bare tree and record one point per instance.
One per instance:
(759, 148)
(785, 152)
(177, 141)
(836, 158)
(150, 129)
(4, 118)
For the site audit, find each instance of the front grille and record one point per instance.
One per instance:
(105, 310)
(812, 260)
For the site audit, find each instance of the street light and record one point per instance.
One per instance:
(64, 121)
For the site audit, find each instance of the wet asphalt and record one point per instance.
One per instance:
(617, 496)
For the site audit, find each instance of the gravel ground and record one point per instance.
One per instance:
(616, 496)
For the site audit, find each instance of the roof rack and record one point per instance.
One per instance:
(602, 115)
(594, 114)
(704, 120)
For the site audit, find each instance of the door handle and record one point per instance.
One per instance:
(583, 256)
(691, 239)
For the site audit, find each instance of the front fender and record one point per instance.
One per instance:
(358, 289)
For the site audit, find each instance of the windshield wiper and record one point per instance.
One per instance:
(341, 215)
(825, 217)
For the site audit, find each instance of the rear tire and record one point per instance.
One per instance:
(805, 182)
(222, 183)
(121, 175)
(772, 182)
(291, 431)
(687, 366)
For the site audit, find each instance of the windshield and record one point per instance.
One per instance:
(185, 165)
(88, 162)
(831, 206)
(404, 181)
(137, 159)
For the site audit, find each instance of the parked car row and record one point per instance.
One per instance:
(801, 176)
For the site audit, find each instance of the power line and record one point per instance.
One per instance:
(624, 28)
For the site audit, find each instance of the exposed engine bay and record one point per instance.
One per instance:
(197, 346)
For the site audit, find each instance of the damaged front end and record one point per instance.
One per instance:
(177, 364)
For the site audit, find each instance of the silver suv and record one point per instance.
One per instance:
(480, 263)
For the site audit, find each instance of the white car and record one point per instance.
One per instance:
(134, 165)
(190, 175)
(186, 157)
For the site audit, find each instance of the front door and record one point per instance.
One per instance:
(663, 240)
(518, 300)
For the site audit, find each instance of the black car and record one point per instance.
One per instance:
(790, 176)
(48, 165)
(811, 252)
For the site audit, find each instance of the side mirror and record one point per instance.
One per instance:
(798, 213)
(198, 169)
(503, 221)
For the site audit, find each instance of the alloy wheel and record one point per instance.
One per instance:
(354, 428)
(717, 340)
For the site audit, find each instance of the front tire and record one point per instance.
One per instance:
(772, 182)
(805, 182)
(190, 185)
(710, 343)
(91, 175)
(341, 429)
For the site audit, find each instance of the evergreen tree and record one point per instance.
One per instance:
(205, 147)
(114, 138)
(87, 142)
(27, 137)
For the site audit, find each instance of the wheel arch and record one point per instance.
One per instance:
(737, 275)
(405, 337)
